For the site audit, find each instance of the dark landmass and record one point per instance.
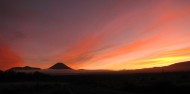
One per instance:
(139, 83)
(174, 79)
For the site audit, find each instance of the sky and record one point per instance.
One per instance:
(94, 34)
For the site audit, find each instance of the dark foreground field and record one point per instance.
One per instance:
(121, 83)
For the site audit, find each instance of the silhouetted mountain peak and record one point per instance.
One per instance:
(27, 67)
(59, 65)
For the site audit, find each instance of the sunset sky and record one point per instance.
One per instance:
(94, 34)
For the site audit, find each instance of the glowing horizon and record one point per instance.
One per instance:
(109, 34)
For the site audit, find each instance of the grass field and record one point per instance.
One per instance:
(142, 83)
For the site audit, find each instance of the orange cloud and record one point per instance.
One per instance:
(156, 59)
(155, 36)
(8, 58)
(166, 17)
(90, 44)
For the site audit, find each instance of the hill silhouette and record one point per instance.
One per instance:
(183, 66)
(24, 68)
(59, 65)
(177, 67)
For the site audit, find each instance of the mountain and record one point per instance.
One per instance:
(59, 66)
(177, 67)
(24, 68)
(182, 66)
